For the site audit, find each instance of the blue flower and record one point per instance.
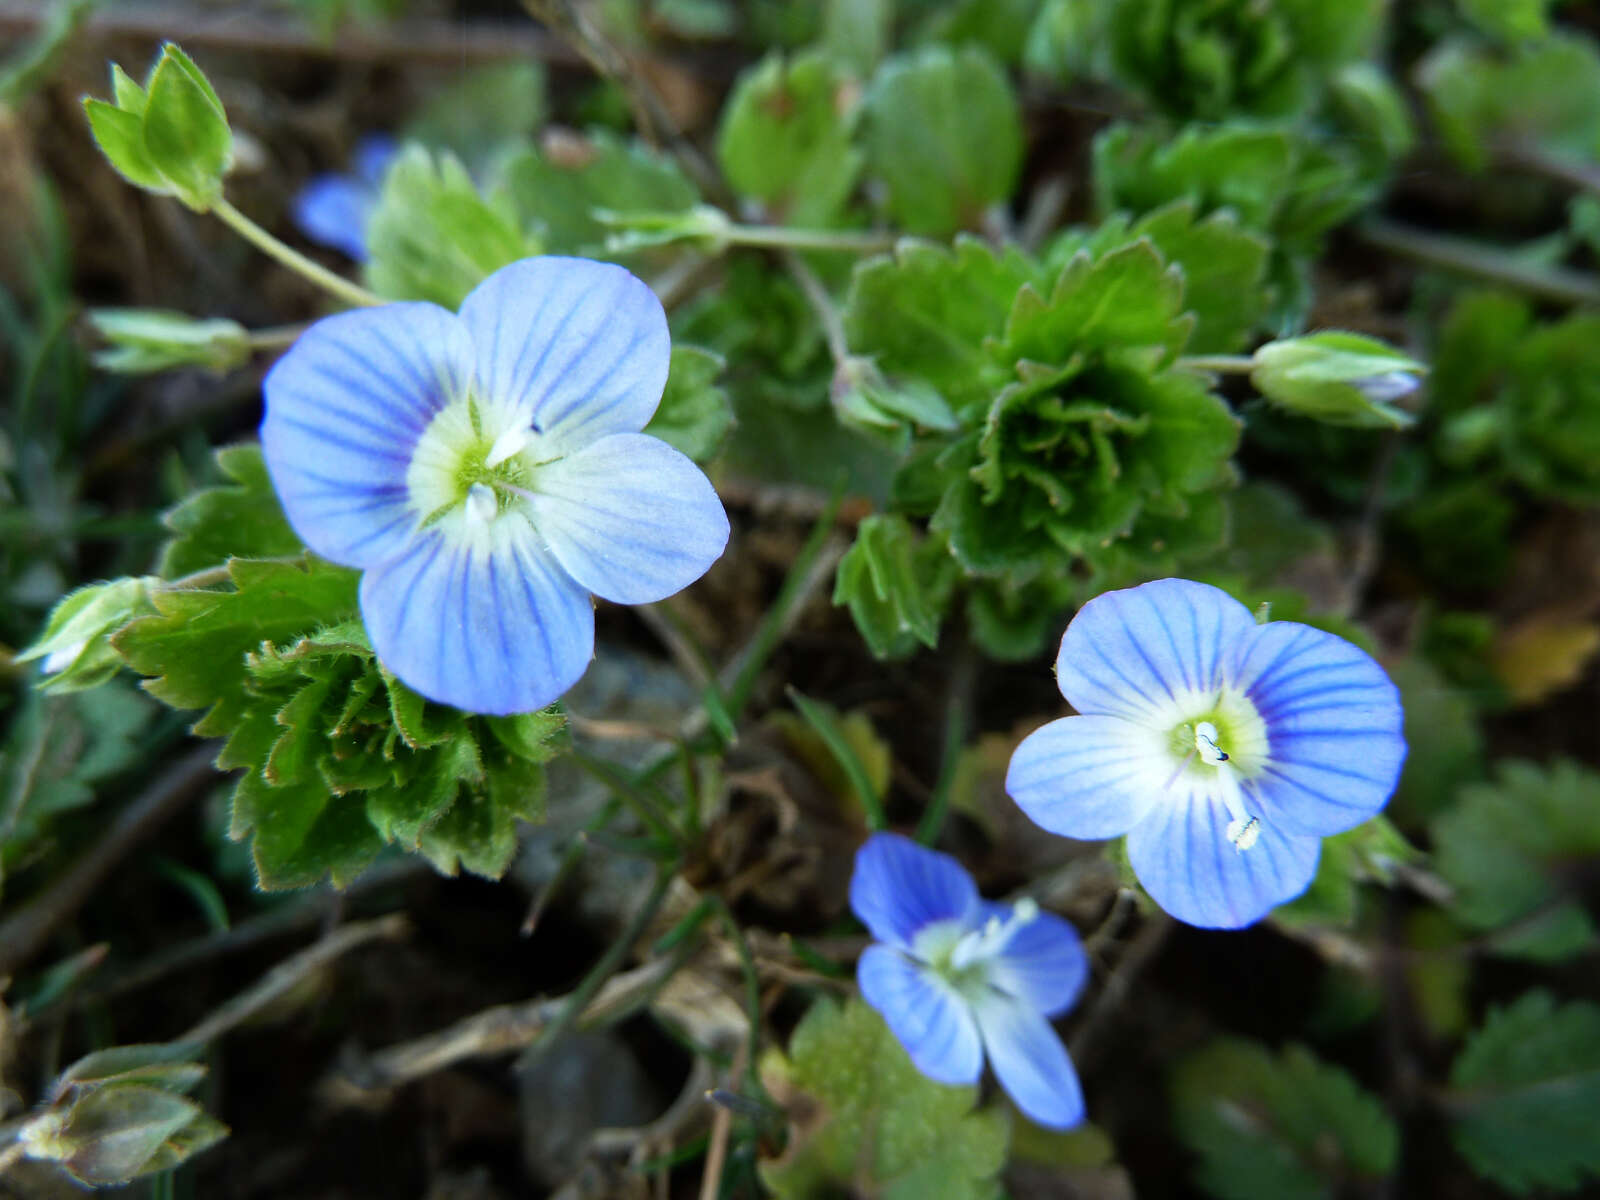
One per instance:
(332, 210)
(1225, 749)
(955, 976)
(487, 473)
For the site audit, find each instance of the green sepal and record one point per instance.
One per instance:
(186, 134)
(120, 135)
(943, 131)
(864, 1116)
(143, 340)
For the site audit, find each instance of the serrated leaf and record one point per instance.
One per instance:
(434, 236)
(194, 651)
(239, 519)
(1506, 845)
(694, 415)
(1278, 1126)
(403, 812)
(1528, 1089)
(186, 134)
(785, 138)
(534, 737)
(944, 133)
(897, 585)
(479, 832)
(927, 311)
(302, 833)
(1126, 297)
(868, 1122)
(557, 189)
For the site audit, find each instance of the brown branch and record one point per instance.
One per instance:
(25, 932)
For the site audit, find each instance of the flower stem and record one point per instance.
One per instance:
(1222, 364)
(1478, 261)
(778, 237)
(258, 237)
(275, 337)
(821, 303)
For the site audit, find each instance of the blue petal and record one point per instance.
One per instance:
(1089, 777)
(574, 348)
(332, 210)
(929, 1019)
(344, 409)
(373, 155)
(1334, 728)
(1136, 653)
(1030, 1061)
(484, 620)
(1182, 856)
(899, 887)
(630, 518)
(1042, 963)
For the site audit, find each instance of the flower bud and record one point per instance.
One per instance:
(76, 642)
(864, 399)
(1338, 378)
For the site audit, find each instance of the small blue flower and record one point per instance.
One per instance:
(955, 976)
(1225, 749)
(487, 473)
(332, 210)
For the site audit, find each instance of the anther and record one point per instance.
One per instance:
(1205, 741)
(1243, 834)
(512, 442)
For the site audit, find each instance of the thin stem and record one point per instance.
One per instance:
(636, 798)
(957, 720)
(1222, 364)
(1478, 261)
(258, 237)
(778, 237)
(821, 303)
(276, 336)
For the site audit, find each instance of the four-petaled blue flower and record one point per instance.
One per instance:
(1225, 749)
(955, 975)
(487, 473)
(332, 210)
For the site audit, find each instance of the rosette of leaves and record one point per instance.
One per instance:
(338, 757)
(1210, 59)
(1075, 428)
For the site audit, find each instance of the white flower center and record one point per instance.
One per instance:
(466, 468)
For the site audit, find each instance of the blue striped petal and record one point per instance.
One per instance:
(1183, 857)
(574, 348)
(1030, 1061)
(899, 887)
(344, 410)
(1089, 777)
(479, 618)
(929, 1019)
(1144, 653)
(630, 518)
(1042, 962)
(1334, 728)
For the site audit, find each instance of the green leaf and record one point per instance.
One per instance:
(433, 236)
(1528, 1088)
(856, 33)
(195, 649)
(186, 134)
(896, 584)
(479, 831)
(866, 1121)
(694, 414)
(1506, 847)
(120, 136)
(785, 139)
(1369, 853)
(1545, 95)
(944, 134)
(485, 111)
(1126, 297)
(240, 519)
(1278, 1126)
(1444, 746)
(143, 340)
(1013, 620)
(556, 190)
(1509, 21)
(927, 311)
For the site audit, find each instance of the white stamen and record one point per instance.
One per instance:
(980, 944)
(1243, 834)
(513, 441)
(481, 503)
(1205, 741)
